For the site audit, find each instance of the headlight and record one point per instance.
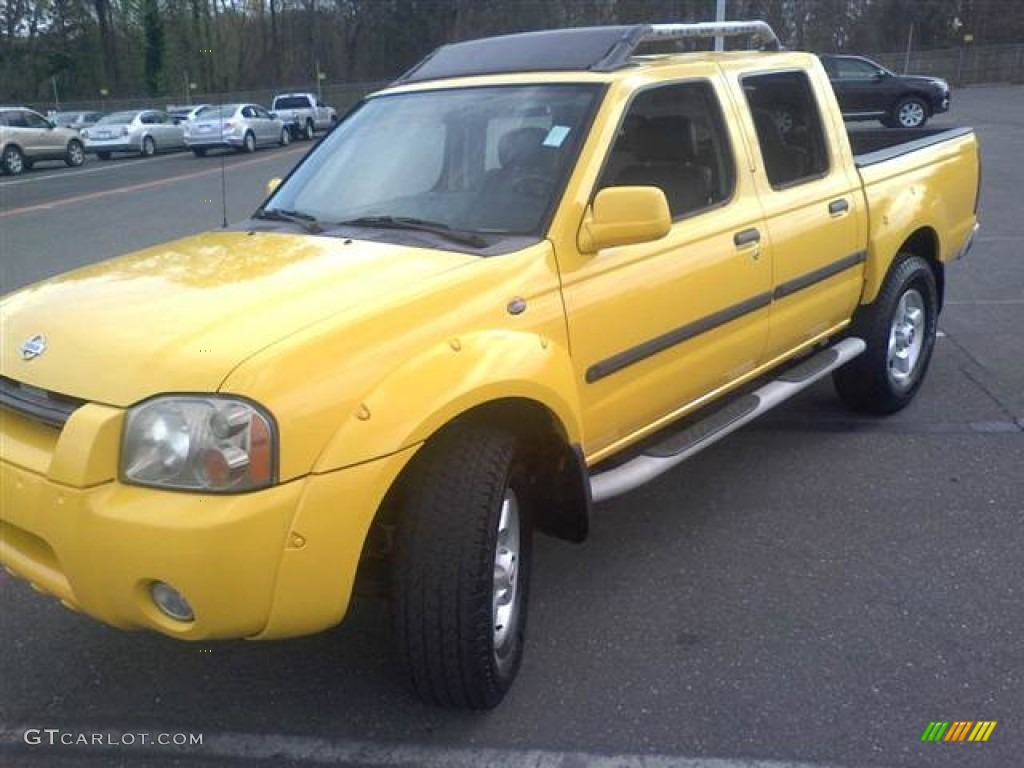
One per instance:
(189, 442)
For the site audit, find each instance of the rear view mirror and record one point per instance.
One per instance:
(624, 216)
(273, 184)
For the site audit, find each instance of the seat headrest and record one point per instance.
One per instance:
(668, 139)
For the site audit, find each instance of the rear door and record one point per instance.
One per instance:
(655, 326)
(812, 203)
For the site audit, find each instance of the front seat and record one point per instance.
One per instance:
(667, 154)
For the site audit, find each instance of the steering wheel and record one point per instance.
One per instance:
(532, 185)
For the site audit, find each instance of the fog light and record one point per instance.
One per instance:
(171, 601)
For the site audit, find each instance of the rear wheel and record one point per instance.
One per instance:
(103, 155)
(910, 112)
(148, 146)
(12, 161)
(308, 131)
(899, 328)
(461, 580)
(199, 151)
(75, 155)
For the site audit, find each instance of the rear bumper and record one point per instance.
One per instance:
(96, 147)
(212, 142)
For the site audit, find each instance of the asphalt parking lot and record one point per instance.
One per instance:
(812, 591)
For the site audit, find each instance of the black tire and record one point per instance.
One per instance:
(12, 162)
(75, 155)
(446, 594)
(308, 130)
(286, 137)
(103, 155)
(199, 151)
(899, 328)
(909, 112)
(249, 143)
(148, 146)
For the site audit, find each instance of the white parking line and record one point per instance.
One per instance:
(278, 749)
(112, 166)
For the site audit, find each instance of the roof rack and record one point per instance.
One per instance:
(597, 49)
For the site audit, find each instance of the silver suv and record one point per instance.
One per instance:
(26, 137)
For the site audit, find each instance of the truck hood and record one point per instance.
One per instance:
(180, 316)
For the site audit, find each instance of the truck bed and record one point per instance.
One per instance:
(873, 145)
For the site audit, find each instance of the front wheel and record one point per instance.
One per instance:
(286, 137)
(461, 579)
(899, 328)
(308, 131)
(249, 143)
(199, 151)
(103, 155)
(75, 155)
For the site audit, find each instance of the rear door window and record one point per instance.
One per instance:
(788, 124)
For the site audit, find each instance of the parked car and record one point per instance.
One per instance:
(141, 131)
(537, 273)
(186, 113)
(868, 91)
(76, 120)
(27, 137)
(239, 126)
(303, 113)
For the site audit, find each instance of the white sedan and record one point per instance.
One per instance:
(239, 126)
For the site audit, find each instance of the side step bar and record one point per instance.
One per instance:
(675, 449)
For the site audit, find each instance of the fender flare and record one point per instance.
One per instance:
(431, 389)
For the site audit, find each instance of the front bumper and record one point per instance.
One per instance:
(274, 563)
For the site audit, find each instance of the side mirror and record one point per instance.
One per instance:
(879, 76)
(624, 216)
(272, 185)
(274, 115)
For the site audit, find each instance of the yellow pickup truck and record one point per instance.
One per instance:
(534, 273)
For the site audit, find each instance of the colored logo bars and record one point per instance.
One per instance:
(959, 730)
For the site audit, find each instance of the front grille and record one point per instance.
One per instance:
(48, 407)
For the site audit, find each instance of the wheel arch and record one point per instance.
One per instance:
(559, 484)
(923, 242)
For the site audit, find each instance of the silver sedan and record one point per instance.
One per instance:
(239, 126)
(145, 131)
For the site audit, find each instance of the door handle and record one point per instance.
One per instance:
(746, 237)
(837, 207)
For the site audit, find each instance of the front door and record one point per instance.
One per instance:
(656, 326)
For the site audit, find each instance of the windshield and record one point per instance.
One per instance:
(489, 160)
(118, 117)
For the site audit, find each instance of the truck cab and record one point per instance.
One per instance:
(533, 274)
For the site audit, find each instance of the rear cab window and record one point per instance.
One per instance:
(787, 121)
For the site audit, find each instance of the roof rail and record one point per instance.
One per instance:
(759, 31)
(598, 49)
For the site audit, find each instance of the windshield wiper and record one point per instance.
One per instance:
(307, 221)
(420, 225)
